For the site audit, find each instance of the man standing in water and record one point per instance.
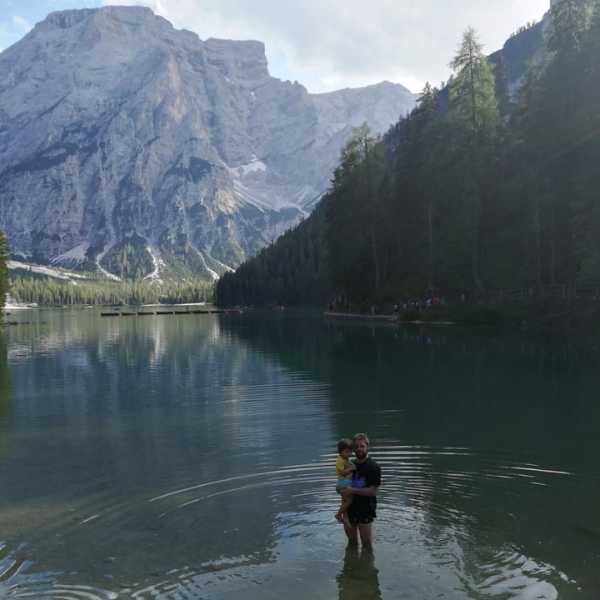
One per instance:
(365, 485)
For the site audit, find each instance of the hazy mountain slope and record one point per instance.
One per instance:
(130, 146)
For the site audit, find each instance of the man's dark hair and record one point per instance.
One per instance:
(345, 444)
(360, 437)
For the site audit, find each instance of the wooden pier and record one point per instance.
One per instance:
(167, 312)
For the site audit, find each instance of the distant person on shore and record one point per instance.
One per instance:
(366, 480)
(344, 470)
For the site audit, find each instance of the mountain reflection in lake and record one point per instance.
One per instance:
(192, 457)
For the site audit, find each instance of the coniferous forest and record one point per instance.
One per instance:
(52, 292)
(478, 191)
(29, 288)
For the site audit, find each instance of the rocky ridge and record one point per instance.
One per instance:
(138, 150)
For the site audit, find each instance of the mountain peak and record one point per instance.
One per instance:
(121, 136)
(65, 19)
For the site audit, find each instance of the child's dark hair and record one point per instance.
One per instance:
(345, 444)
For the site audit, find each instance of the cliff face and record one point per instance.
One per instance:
(126, 144)
(526, 48)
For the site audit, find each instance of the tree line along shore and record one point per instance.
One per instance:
(45, 291)
(481, 196)
(480, 192)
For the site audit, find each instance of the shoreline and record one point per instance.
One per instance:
(392, 319)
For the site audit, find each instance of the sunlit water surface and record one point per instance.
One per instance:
(192, 457)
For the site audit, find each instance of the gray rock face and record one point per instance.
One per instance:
(130, 147)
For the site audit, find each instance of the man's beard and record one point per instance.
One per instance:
(360, 454)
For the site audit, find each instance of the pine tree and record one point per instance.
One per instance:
(474, 110)
(586, 153)
(354, 217)
(457, 198)
(472, 92)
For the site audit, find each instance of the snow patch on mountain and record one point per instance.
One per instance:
(41, 270)
(116, 126)
(76, 255)
(158, 264)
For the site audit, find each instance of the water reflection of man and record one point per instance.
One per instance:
(365, 485)
(359, 577)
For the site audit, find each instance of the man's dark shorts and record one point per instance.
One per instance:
(363, 516)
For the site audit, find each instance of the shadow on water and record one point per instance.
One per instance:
(485, 440)
(449, 387)
(4, 379)
(4, 393)
(359, 577)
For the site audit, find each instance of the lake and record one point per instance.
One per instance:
(193, 457)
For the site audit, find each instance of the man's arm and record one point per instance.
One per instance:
(368, 491)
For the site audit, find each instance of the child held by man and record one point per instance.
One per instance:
(344, 470)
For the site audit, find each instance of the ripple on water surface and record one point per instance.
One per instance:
(435, 537)
(179, 461)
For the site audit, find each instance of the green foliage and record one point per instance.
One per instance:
(472, 91)
(292, 271)
(354, 218)
(455, 199)
(523, 29)
(4, 281)
(52, 292)
(129, 260)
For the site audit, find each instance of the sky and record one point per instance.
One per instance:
(325, 44)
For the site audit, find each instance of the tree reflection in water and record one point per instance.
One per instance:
(359, 577)
(4, 391)
(4, 379)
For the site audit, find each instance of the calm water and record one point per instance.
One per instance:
(192, 457)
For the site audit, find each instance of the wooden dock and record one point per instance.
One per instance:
(167, 312)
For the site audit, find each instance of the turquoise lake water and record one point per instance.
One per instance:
(193, 457)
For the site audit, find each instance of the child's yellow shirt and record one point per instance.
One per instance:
(341, 464)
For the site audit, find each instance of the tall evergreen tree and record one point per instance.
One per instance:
(552, 129)
(354, 215)
(474, 110)
(457, 199)
(586, 221)
(472, 91)
(417, 191)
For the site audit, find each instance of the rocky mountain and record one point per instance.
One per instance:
(129, 147)
(524, 49)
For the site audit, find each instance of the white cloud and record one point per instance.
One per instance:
(327, 44)
(21, 24)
